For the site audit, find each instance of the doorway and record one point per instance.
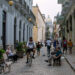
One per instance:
(24, 33)
(15, 32)
(20, 31)
(4, 30)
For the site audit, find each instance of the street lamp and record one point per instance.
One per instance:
(10, 2)
(29, 19)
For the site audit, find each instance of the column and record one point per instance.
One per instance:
(1, 26)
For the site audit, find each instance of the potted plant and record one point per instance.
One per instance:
(20, 51)
(24, 47)
(2, 51)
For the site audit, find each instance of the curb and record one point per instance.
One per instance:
(70, 64)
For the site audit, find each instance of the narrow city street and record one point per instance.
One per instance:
(40, 67)
(29, 24)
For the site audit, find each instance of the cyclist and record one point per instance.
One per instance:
(31, 46)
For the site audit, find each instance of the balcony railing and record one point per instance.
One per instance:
(67, 6)
(23, 8)
(60, 1)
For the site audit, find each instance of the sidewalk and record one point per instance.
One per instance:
(70, 58)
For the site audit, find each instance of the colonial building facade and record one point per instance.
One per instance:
(39, 29)
(68, 12)
(16, 22)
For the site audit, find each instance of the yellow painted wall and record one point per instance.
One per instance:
(39, 31)
(35, 33)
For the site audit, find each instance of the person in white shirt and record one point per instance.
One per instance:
(31, 46)
(60, 41)
(11, 55)
(48, 44)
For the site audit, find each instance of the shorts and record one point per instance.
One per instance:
(38, 49)
(48, 47)
(70, 48)
(65, 48)
(29, 50)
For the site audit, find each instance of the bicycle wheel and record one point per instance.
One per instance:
(30, 61)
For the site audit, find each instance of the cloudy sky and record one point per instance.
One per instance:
(48, 7)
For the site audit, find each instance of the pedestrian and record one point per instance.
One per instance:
(64, 45)
(55, 56)
(45, 43)
(57, 43)
(48, 43)
(38, 46)
(54, 44)
(30, 48)
(60, 42)
(70, 45)
(11, 55)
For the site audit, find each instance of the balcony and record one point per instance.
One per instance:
(23, 8)
(31, 15)
(66, 7)
(60, 19)
(60, 1)
(20, 6)
(66, 4)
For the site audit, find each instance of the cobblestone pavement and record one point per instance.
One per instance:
(39, 67)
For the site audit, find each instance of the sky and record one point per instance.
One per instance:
(48, 7)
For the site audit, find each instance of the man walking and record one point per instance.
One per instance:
(48, 44)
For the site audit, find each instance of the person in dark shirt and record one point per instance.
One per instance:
(64, 43)
(38, 48)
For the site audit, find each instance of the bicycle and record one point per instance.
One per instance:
(30, 58)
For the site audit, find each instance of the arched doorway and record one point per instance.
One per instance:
(20, 31)
(15, 32)
(4, 30)
(24, 32)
